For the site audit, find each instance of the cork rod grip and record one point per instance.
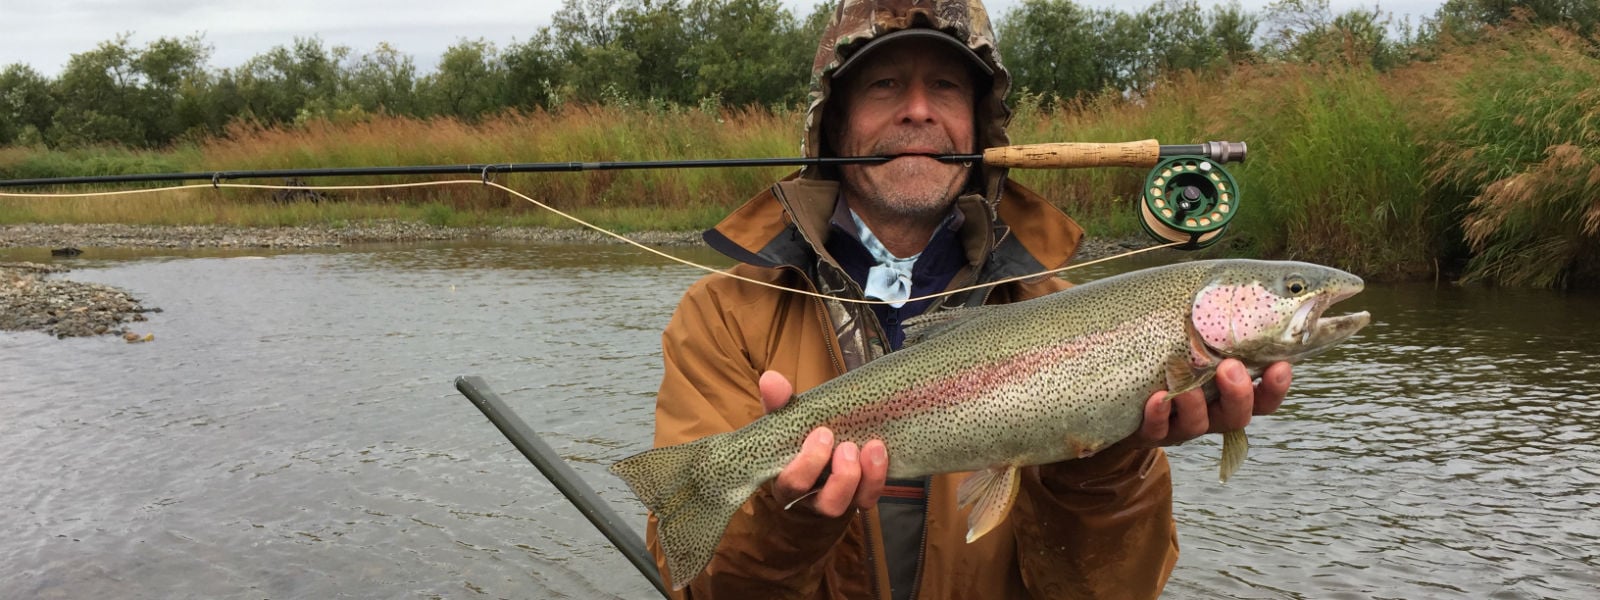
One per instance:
(1144, 153)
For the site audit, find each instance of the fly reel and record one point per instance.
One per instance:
(1188, 198)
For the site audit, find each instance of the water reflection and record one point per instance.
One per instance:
(1441, 453)
(293, 432)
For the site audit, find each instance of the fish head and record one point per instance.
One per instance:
(1268, 311)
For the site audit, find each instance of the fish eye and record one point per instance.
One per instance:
(1295, 284)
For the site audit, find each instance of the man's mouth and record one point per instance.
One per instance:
(919, 151)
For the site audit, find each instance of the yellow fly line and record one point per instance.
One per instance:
(584, 223)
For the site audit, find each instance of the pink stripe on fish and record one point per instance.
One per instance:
(962, 386)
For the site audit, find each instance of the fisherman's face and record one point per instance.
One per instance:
(915, 96)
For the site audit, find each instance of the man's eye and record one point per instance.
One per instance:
(883, 84)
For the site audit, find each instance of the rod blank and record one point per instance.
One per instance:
(1143, 153)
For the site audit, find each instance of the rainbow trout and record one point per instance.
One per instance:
(996, 388)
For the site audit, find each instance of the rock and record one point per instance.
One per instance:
(31, 301)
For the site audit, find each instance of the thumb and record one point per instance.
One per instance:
(775, 390)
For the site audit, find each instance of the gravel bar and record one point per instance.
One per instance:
(31, 300)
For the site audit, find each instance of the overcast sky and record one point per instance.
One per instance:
(46, 33)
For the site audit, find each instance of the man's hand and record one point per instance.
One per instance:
(857, 474)
(1188, 415)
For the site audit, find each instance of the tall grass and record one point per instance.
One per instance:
(1332, 174)
(29, 163)
(1516, 146)
(1338, 175)
(1103, 199)
(629, 200)
(575, 133)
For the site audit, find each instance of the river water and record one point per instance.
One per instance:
(293, 432)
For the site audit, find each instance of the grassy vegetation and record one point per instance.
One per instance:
(1341, 181)
(625, 200)
(1517, 156)
(1333, 174)
(1485, 158)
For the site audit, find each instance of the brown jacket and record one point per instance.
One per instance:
(1094, 528)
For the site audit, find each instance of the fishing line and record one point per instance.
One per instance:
(597, 228)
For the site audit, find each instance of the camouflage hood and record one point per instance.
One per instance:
(857, 22)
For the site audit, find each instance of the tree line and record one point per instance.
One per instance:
(683, 53)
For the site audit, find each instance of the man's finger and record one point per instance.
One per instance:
(1236, 398)
(797, 478)
(874, 472)
(775, 390)
(1190, 417)
(1273, 388)
(1157, 413)
(837, 495)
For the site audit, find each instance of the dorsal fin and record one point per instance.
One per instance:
(929, 325)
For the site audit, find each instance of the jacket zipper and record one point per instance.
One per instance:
(872, 554)
(861, 516)
(922, 548)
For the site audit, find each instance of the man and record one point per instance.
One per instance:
(908, 77)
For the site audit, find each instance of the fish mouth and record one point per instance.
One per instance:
(1312, 332)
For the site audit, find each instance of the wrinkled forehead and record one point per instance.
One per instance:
(922, 52)
(912, 57)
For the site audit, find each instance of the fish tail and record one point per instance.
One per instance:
(692, 495)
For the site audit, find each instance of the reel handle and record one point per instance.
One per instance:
(1078, 155)
(1074, 155)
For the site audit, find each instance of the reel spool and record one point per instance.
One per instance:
(1188, 199)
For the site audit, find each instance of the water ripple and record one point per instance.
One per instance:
(294, 432)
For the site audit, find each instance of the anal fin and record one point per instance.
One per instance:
(989, 493)
(1235, 445)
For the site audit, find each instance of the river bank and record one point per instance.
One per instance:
(112, 235)
(116, 235)
(34, 297)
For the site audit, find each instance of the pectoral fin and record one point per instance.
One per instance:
(1235, 445)
(990, 493)
(1181, 377)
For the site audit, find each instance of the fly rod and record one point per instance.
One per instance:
(1187, 198)
(565, 479)
(1065, 155)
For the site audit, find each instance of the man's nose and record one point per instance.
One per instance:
(918, 107)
